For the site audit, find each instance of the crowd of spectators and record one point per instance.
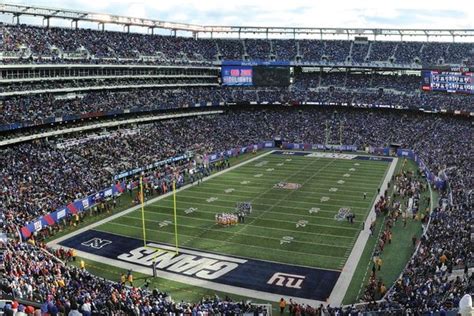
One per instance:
(96, 98)
(34, 110)
(38, 177)
(38, 274)
(39, 44)
(95, 84)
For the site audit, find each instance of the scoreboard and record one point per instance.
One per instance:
(452, 80)
(237, 75)
(256, 74)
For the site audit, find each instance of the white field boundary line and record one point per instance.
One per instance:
(54, 243)
(195, 281)
(345, 278)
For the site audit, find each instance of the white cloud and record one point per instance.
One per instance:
(317, 13)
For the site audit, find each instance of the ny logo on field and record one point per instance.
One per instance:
(96, 243)
(287, 280)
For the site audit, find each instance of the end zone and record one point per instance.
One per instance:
(247, 277)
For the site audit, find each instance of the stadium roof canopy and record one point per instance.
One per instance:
(75, 16)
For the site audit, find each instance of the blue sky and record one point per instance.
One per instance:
(305, 13)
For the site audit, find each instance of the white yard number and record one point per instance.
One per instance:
(333, 190)
(280, 164)
(270, 169)
(258, 175)
(190, 210)
(261, 163)
(341, 182)
(346, 175)
(245, 182)
(324, 199)
(301, 223)
(286, 240)
(352, 169)
(211, 199)
(314, 210)
(230, 190)
(357, 164)
(165, 223)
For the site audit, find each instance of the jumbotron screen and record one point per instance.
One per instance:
(255, 76)
(237, 75)
(458, 81)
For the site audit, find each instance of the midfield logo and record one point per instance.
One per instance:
(96, 243)
(287, 280)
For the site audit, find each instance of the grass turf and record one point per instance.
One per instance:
(323, 242)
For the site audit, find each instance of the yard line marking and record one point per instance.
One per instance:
(264, 204)
(347, 273)
(224, 241)
(285, 196)
(153, 200)
(314, 186)
(272, 228)
(329, 219)
(331, 175)
(251, 200)
(301, 223)
(246, 257)
(308, 198)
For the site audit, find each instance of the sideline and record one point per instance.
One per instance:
(345, 278)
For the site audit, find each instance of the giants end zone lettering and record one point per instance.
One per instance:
(188, 262)
(287, 280)
(204, 268)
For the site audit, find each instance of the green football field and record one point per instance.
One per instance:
(305, 216)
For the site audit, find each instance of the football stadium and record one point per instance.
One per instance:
(155, 167)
